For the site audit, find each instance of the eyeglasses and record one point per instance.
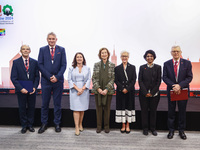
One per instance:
(176, 51)
(25, 49)
(123, 56)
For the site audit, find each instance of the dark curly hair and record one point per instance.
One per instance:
(149, 52)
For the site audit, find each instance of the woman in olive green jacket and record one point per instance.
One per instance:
(103, 88)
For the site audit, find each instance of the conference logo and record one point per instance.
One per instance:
(7, 10)
(0, 11)
(2, 32)
(6, 14)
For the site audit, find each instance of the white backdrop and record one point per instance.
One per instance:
(88, 25)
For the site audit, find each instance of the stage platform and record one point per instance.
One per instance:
(12, 139)
(9, 113)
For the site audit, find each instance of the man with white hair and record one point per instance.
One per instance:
(177, 74)
(25, 77)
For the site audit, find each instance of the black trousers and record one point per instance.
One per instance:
(181, 114)
(26, 104)
(148, 104)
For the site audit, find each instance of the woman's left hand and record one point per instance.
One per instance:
(148, 95)
(104, 92)
(125, 91)
(80, 91)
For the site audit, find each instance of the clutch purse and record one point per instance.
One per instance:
(178, 97)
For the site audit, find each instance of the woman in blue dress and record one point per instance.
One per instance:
(79, 78)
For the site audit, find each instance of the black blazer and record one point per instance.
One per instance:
(120, 78)
(146, 84)
(18, 72)
(184, 76)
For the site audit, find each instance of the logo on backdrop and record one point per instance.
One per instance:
(6, 14)
(2, 32)
(0, 11)
(7, 10)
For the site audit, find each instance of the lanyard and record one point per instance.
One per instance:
(125, 72)
(52, 53)
(177, 63)
(26, 66)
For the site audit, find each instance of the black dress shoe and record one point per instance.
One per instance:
(123, 131)
(127, 132)
(57, 128)
(182, 135)
(98, 131)
(23, 130)
(154, 132)
(42, 129)
(31, 129)
(107, 130)
(145, 132)
(170, 135)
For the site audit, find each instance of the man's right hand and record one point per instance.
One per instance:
(24, 91)
(53, 79)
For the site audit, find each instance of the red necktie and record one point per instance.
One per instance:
(26, 65)
(52, 54)
(175, 68)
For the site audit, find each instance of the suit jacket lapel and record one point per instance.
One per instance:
(128, 69)
(22, 64)
(56, 51)
(30, 65)
(48, 53)
(172, 68)
(180, 68)
(122, 71)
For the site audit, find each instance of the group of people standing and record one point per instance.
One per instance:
(177, 74)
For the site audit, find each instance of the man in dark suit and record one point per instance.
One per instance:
(52, 65)
(177, 74)
(25, 69)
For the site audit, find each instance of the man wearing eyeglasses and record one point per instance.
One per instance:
(25, 77)
(177, 74)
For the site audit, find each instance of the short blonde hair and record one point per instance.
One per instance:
(124, 52)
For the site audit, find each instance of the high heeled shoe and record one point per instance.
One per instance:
(81, 129)
(128, 131)
(123, 131)
(77, 133)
